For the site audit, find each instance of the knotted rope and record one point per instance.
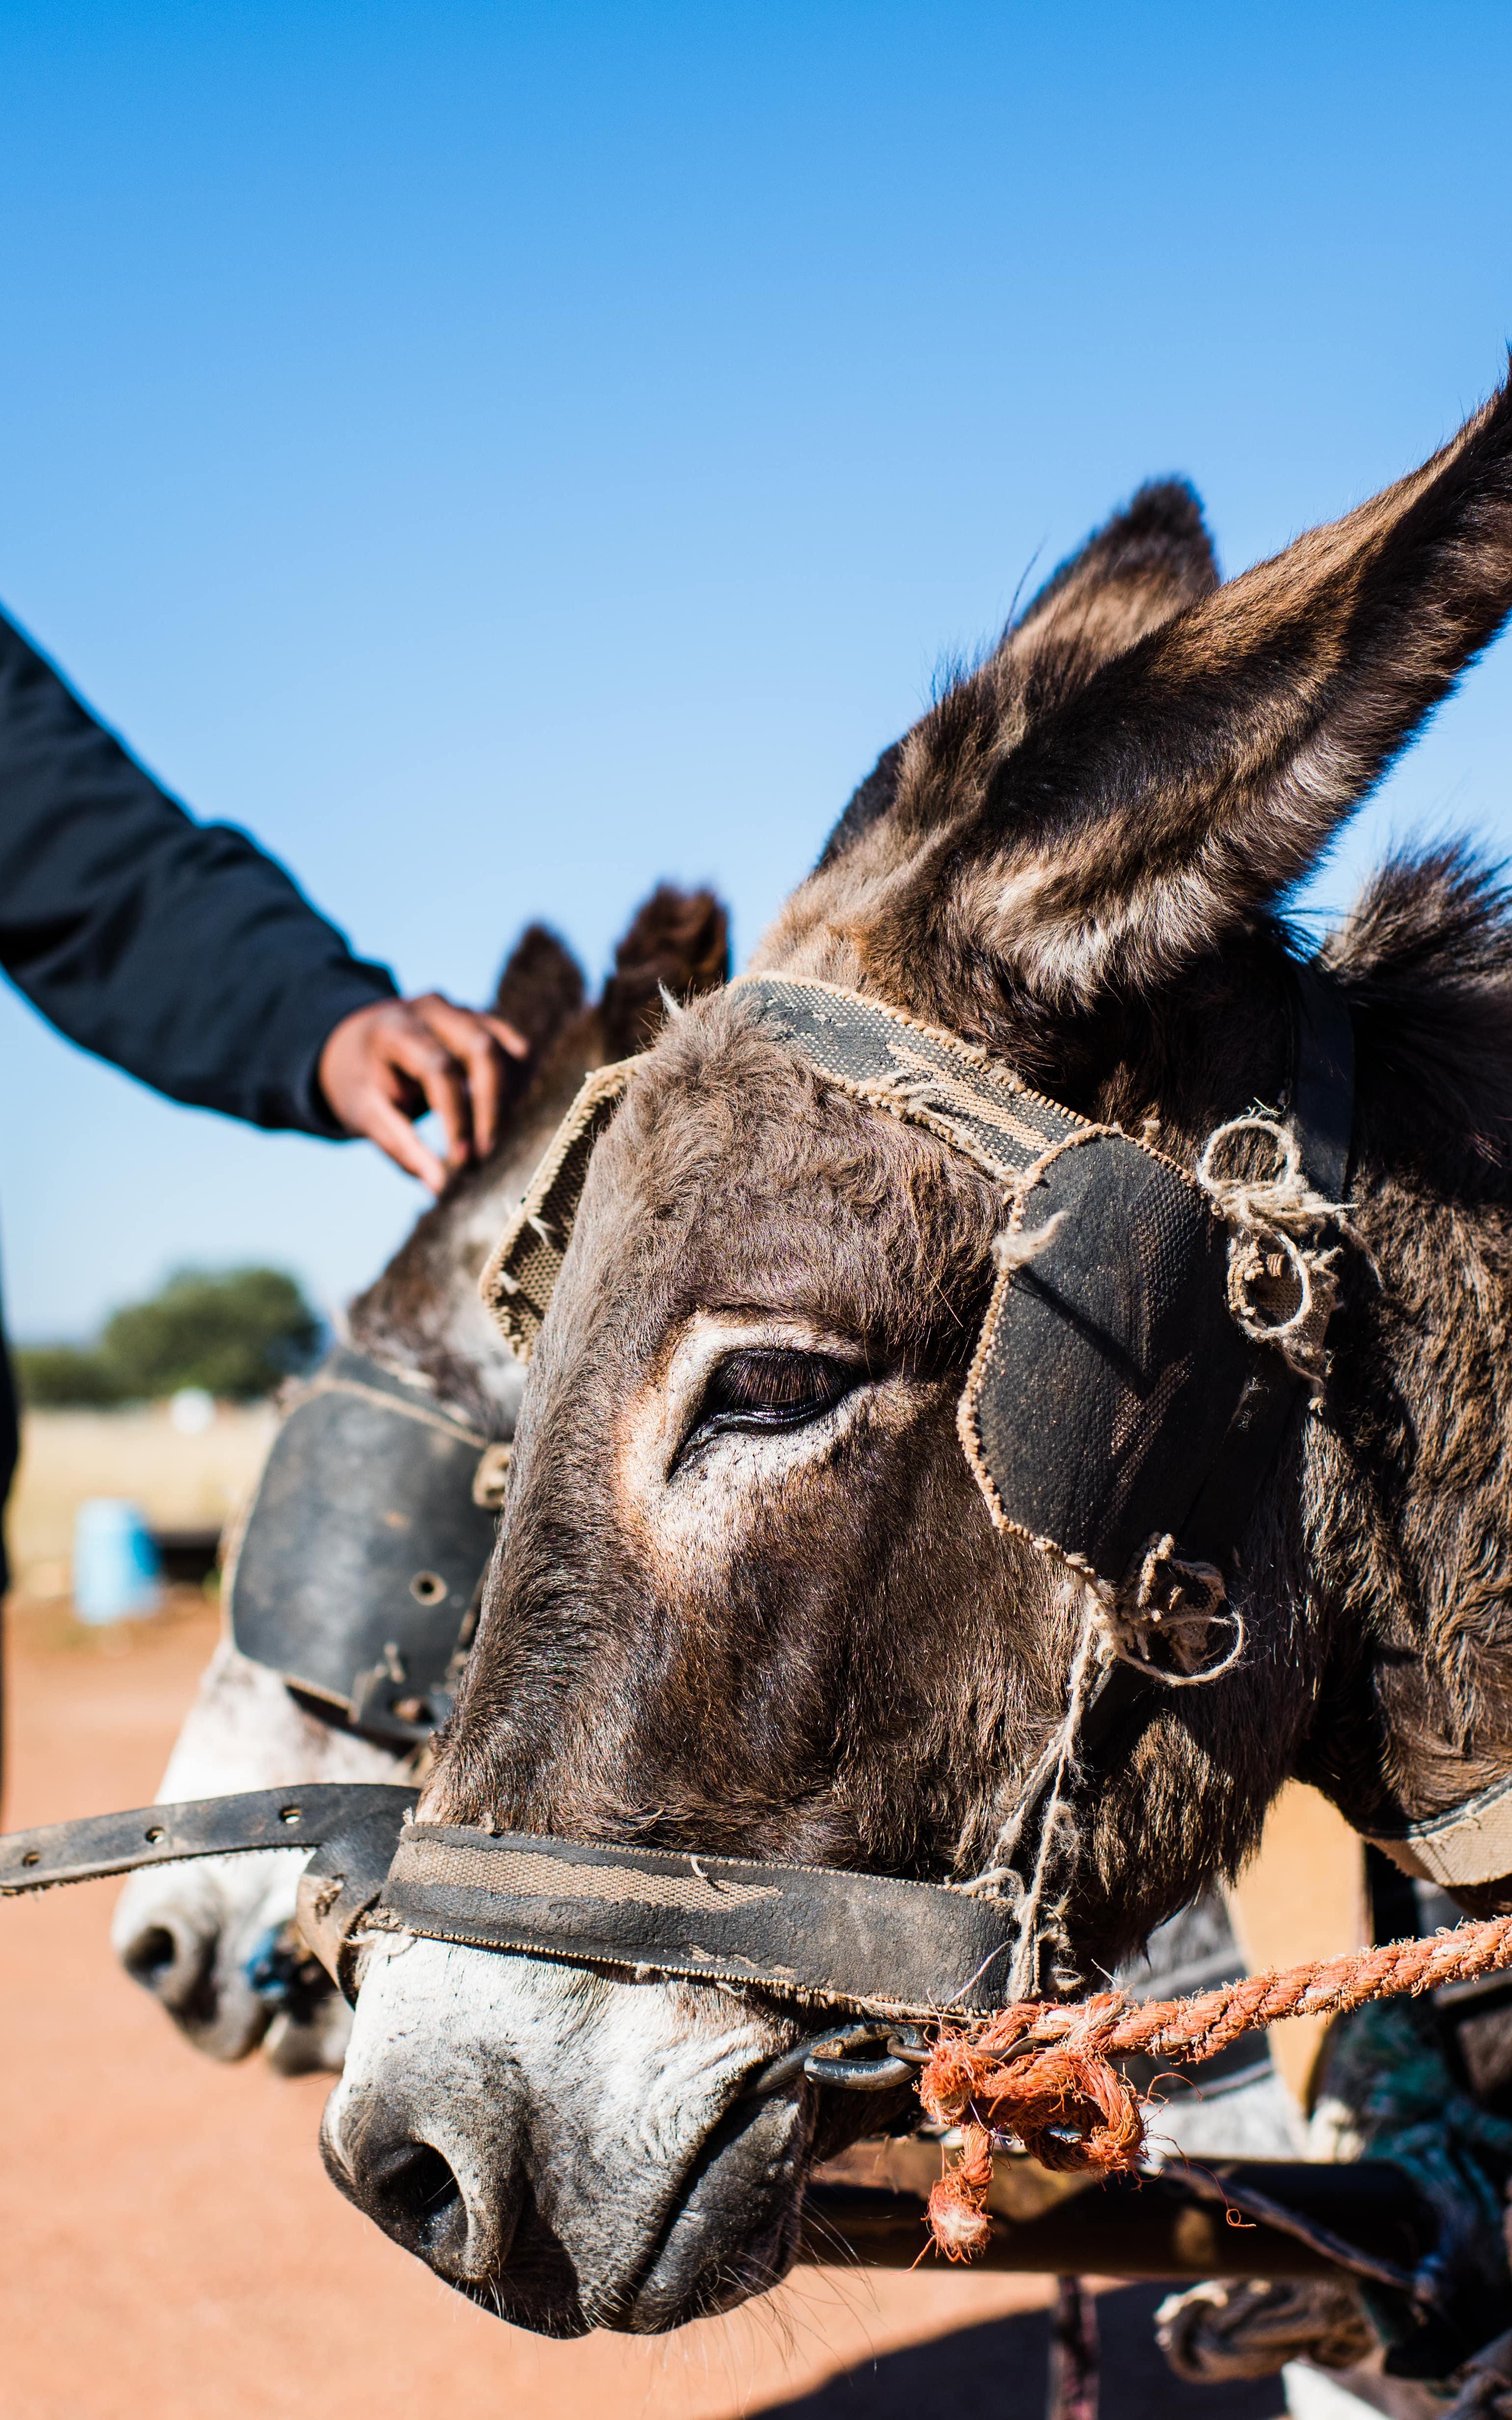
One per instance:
(1042, 2070)
(1275, 1252)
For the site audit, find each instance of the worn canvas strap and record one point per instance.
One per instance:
(865, 1942)
(1469, 1844)
(517, 1282)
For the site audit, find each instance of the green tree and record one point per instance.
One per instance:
(235, 1332)
(55, 1375)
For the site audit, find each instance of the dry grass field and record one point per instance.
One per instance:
(181, 1482)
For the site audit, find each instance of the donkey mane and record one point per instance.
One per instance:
(1425, 958)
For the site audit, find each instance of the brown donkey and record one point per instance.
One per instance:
(747, 1597)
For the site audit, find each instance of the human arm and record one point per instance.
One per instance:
(181, 953)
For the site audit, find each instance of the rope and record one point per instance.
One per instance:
(1042, 2070)
(1053, 1768)
(1276, 1222)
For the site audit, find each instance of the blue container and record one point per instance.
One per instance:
(116, 1572)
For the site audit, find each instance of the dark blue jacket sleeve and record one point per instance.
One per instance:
(176, 949)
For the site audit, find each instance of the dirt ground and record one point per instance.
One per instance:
(175, 2251)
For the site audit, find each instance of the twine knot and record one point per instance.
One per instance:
(1043, 2073)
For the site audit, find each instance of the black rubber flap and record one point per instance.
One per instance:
(859, 1941)
(363, 1545)
(1109, 1365)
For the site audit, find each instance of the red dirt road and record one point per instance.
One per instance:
(174, 2251)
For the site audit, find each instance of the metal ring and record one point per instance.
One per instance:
(903, 2051)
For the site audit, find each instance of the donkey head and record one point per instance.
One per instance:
(747, 1597)
(209, 1940)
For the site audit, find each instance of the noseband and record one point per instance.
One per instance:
(1122, 1409)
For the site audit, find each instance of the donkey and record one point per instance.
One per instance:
(208, 1939)
(748, 1598)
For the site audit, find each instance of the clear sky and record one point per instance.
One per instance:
(501, 455)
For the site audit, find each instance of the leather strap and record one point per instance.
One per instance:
(355, 1575)
(302, 1816)
(1467, 1846)
(867, 1942)
(1322, 1088)
(1321, 1116)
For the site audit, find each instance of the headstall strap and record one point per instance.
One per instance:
(520, 1277)
(356, 1575)
(305, 1816)
(863, 1942)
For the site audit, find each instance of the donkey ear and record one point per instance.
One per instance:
(1147, 563)
(679, 943)
(1121, 832)
(540, 988)
(1133, 574)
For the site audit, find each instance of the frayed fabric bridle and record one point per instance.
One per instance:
(1150, 1333)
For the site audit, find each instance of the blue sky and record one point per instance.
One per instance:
(501, 455)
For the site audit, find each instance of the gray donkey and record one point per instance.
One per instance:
(208, 1939)
(748, 1599)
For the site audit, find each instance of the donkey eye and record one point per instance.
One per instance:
(769, 1388)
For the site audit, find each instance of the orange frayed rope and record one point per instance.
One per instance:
(1041, 2071)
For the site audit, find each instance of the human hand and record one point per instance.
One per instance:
(383, 1066)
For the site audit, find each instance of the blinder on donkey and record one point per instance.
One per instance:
(1123, 1406)
(1147, 1339)
(356, 1576)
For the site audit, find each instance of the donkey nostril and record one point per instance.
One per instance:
(178, 1971)
(150, 1958)
(380, 2159)
(424, 2197)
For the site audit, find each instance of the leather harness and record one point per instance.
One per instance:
(1134, 1272)
(358, 1573)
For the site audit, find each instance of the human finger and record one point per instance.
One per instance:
(476, 1042)
(414, 1049)
(378, 1118)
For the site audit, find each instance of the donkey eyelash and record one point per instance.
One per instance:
(768, 1388)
